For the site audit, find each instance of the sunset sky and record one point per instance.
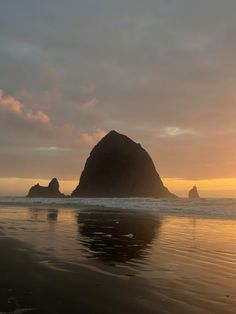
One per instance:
(162, 72)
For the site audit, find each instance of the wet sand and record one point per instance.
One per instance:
(62, 260)
(27, 286)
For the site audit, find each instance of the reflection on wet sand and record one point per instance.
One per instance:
(34, 213)
(178, 264)
(117, 237)
(52, 215)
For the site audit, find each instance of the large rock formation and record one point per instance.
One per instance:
(193, 193)
(52, 190)
(119, 167)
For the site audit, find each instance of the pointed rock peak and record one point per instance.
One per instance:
(193, 193)
(54, 184)
(114, 141)
(114, 134)
(114, 138)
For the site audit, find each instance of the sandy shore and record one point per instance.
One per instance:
(56, 260)
(26, 286)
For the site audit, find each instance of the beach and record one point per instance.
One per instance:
(28, 286)
(117, 157)
(103, 259)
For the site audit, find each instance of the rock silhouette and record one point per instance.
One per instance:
(52, 190)
(193, 193)
(119, 167)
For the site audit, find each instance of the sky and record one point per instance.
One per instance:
(162, 72)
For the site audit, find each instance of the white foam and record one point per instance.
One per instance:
(202, 207)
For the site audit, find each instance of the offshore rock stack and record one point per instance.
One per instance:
(193, 193)
(119, 167)
(52, 190)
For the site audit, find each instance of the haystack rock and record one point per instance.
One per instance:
(193, 193)
(119, 167)
(52, 190)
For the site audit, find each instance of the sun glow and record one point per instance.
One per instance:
(221, 187)
(21, 186)
(218, 187)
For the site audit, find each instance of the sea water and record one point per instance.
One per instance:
(183, 250)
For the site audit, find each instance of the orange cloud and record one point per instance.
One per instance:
(38, 116)
(91, 139)
(9, 104)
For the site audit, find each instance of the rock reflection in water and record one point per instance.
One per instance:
(116, 236)
(49, 214)
(52, 215)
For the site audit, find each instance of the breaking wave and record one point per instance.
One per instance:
(203, 207)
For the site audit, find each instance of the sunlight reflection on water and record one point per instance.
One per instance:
(190, 258)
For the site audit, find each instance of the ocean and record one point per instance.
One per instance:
(139, 255)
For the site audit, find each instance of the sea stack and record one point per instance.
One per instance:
(52, 190)
(193, 193)
(119, 167)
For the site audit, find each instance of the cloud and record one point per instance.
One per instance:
(21, 49)
(53, 149)
(175, 132)
(89, 105)
(163, 72)
(90, 139)
(9, 104)
(39, 116)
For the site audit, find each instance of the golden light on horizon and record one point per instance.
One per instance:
(218, 187)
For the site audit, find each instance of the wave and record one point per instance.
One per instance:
(203, 207)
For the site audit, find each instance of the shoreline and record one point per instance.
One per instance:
(28, 286)
(84, 262)
(201, 208)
